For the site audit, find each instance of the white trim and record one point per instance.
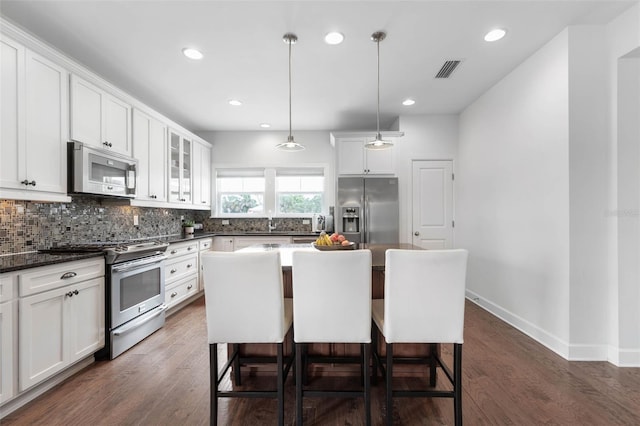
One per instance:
(552, 342)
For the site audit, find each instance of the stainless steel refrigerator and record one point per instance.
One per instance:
(367, 210)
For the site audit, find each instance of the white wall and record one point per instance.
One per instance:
(623, 42)
(512, 196)
(554, 146)
(426, 137)
(258, 149)
(588, 174)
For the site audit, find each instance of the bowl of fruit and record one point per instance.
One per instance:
(334, 241)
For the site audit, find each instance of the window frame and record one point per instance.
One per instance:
(270, 193)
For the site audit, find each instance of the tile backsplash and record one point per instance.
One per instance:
(29, 226)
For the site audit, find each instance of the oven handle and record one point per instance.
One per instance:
(136, 266)
(135, 324)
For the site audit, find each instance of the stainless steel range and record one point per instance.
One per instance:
(134, 291)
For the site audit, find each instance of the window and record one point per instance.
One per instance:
(299, 191)
(284, 191)
(240, 191)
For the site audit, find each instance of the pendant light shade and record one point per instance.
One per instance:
(378, 142)
(290, 144)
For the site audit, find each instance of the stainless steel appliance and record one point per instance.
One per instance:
(322, 222)
(368, 209)
(96, 171)
(134, 291)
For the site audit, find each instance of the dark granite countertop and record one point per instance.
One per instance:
(16, 262)
(19, 261)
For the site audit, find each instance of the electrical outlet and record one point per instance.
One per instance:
(225, 221)
(306, 221)
(182, 218)
(135, 220)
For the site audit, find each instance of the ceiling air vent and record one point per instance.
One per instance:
(447, 69)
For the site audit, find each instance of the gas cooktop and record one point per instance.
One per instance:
(115, 251)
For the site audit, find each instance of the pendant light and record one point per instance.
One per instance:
(378, 142)
(290, 144)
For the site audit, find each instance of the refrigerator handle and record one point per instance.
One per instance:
(366, 219)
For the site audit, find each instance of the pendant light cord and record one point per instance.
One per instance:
(378, 108)
(290, 131)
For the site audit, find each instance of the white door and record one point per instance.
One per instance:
(117, 124)
(41, 334)
(433, 204)
(86, 325)
(86, 112)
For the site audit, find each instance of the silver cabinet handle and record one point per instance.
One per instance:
(189, 248)
(68, 275)
(174, 251)
(190, 286)
(173, 271)
(189, 265)
(416, 233)
(174, 294)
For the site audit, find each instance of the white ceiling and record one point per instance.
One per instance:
(137, 46)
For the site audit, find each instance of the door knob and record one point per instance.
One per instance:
(416, 233)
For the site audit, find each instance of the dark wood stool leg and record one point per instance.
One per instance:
(457, 385)
(367, 383)
(280, 385)
(374, 353)
(299, 376)
(236, 366)
(213, 384)
(389, 387)
(433, 366)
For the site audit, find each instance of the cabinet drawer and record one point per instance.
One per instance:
(205, 244)
(180, 290)
(45, 278)
(7, 286)
(176, 269)
(180, 249)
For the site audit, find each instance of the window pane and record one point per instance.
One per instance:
(253, 184)
(312, 184)
(299, 203)
(241, 203)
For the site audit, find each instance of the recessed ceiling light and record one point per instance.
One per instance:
(235, 102)
(192, 53)
(408, 102)
(265, 125)
(495, 35)
(334, 38)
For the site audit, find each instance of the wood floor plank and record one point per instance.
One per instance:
(508, 379)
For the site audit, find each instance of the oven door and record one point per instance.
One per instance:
(137, 287)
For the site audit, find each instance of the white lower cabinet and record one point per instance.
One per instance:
(222, 244)
(63, 324)
(205, 244)
(242, 242)
(181, 272)
(7, 350)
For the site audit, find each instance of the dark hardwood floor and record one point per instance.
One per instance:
(509, 379)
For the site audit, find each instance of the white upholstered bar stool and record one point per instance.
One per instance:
(332, 304)
(424, 296)
(244, 300)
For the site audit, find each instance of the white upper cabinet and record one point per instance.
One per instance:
(99, 118)
(150, 148)
(34, 109)
(201, 175)
(180, 168)
(354, 159)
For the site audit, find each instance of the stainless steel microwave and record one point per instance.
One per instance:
(95, 171)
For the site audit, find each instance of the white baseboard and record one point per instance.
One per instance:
(572, 352)
(552, 342)
(624, 357)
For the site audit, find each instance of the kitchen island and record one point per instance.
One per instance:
(337, 349)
